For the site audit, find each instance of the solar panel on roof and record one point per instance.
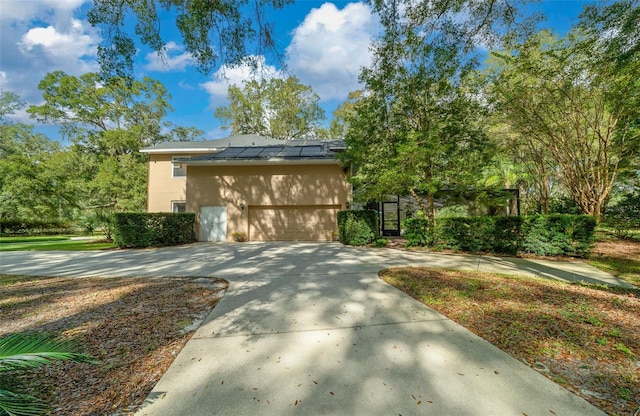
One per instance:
(312, 151)
(230, 152)
(250, 152)
(272, 151)
(291, 151)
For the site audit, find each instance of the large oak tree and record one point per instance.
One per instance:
(278, 108)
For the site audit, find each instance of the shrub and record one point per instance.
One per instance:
(624, 215)
(381, 242)
(153, 229)
(416, 232)
(357, 228)
(469, 234)
(558, 234)
(545, 235)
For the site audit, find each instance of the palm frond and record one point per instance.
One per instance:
(17, 404)
(33, 350)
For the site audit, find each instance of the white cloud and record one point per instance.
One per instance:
(175, 60)
(65, 49)
(46, 10)
(40, 36)
(225, 76)
(330, 46)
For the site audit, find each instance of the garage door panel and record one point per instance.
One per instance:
(292, 223)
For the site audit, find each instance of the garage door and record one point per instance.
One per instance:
(293, 223)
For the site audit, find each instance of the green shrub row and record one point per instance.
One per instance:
(19, 227)
(358, 227)
(544, 235)
(153, 229)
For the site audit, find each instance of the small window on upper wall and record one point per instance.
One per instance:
(178, 206)
(179, 170)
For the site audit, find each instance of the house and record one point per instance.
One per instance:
(269, 189)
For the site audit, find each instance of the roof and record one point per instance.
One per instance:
(293, 151)
(243, 141)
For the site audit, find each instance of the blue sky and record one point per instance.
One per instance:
(324, 44)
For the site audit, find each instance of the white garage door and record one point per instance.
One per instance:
(293, 223)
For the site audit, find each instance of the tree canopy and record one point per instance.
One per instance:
(574, 103)
(31, 185)
(282, 109)
(108, 123)
(213, 32)
(418, 126)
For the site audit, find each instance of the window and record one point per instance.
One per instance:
(178, 206)
(179, 170)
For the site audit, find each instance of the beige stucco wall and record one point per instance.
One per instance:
(266, 185)
(161, 187)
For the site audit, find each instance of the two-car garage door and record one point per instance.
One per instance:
(293, 222)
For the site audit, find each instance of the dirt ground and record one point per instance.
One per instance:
(134, 326)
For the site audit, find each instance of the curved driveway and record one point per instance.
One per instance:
(310, 329)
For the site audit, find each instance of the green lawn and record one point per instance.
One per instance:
(53, 244)
(31, 239)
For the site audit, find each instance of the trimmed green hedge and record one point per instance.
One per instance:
(153, 229)
(19, 227)
(358, 227)
(416, 232)
(545, 235)
(558, 235)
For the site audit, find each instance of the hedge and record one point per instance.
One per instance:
(153, 229)
(416, 232)
(545, 235)
(558, 235)
(20, 227)
(358, 227)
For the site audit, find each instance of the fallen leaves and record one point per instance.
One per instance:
(134, 326)
(587, 338)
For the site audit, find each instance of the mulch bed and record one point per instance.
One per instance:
(135, 327)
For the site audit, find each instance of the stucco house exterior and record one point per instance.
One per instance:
(271, 190)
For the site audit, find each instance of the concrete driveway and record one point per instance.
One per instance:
(311, 329)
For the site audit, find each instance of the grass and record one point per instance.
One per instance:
(57, 244)
(35, 238)
(589, 338)
(617, 256)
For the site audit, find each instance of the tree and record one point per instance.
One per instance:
(31, 186)
(279, 108)
(107, 123)
(418, 126)
(214, 32)
(339, 123)
(569, 104)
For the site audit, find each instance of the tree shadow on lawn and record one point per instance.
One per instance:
(587, 336)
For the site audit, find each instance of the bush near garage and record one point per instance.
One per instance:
(153, 229)
(544, 235)
(358, 227)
